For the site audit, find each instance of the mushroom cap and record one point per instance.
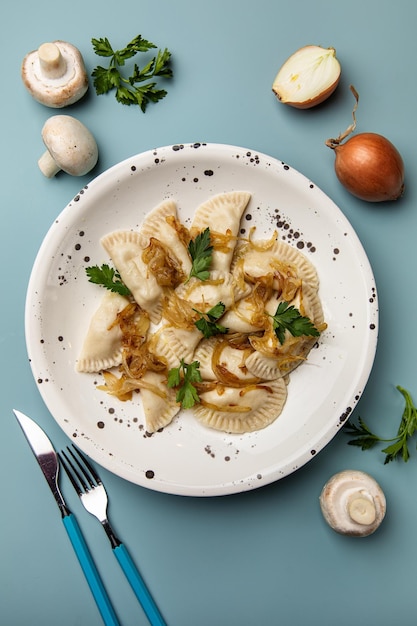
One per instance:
(353, 503)
(70, 144)
(56, 89)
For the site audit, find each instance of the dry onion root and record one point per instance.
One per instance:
(308, 77)
(368, 165)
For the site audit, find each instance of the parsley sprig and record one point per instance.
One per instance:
(289, 318)
(138, 88)
(201, 252)
(182, 378)
(398, 448)
(207, 324)
(107, 277)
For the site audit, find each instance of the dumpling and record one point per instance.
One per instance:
(241, 410)
(220, 287)
(102, 347)
(288, 265)
(219, 360)
(173, 344)
(243, 317)
(222, 214)
(270, 359)
(125, 249)
(250, 314)
(160, 224)
(158, 401)
(289, 356)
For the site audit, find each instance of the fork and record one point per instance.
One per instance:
(93, 496)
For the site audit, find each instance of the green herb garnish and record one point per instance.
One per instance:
(289, 318)
(207, 324)
(182, 378)
(201, 252)
(366, 439)
(107, 277)
(138, 88)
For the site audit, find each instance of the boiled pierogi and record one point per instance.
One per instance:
(223, 321)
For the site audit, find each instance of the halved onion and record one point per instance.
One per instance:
(308, 77)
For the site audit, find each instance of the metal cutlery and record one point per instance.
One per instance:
(93, 496)
(47, 458)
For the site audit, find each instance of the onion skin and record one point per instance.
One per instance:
(369, 167)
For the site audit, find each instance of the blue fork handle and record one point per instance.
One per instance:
(138, 585)
(90, 571)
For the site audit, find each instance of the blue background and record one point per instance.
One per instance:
(263, 557)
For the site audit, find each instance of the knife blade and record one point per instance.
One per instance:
(47, 459)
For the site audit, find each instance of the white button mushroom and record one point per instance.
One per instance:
(70, 147)
(353, 503)
(55, 74)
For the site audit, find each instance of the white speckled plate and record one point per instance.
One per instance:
(187, 458)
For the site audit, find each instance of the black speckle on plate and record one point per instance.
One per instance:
(345, 415)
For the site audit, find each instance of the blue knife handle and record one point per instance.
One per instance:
(90, 571)
(138, 585)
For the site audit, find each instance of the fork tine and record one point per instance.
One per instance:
(84, 467)
(72, 472)
(87, 464)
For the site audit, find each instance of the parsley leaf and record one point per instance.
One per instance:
(201, 252)
(182, 378)
(207, 324)
(102, 47)
(107, 277)
(366, 439)
(106, 79)
(138, 44)
(127, 89)
(289, 318)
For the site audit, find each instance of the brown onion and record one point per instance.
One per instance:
(368, 165)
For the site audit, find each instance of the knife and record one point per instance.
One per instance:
(47, 458)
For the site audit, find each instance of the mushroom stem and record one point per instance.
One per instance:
(48, 165)
(51, 61)
(362, 509)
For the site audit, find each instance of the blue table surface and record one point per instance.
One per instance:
(265, 556)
